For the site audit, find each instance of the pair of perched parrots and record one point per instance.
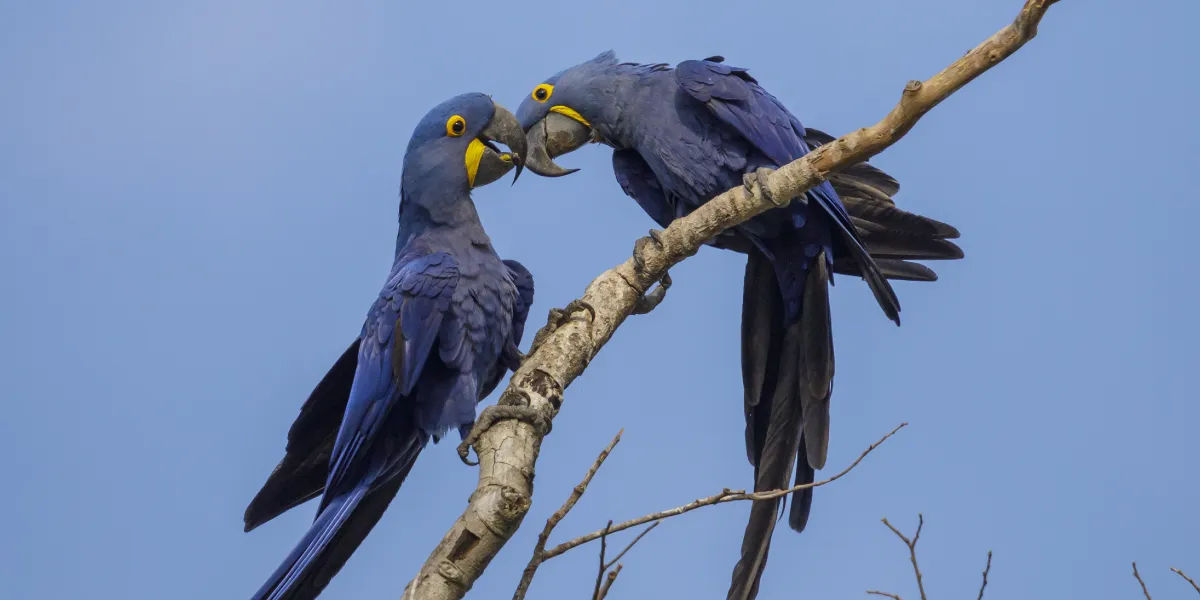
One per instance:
(445, 328)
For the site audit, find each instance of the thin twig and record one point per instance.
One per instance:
(602, 590)
(912, 549)
(603, 565)
(1189, 579)
(1139, 578)
(884, 594)
(635, 540)
(986, 570)
(612, 576)
(576, 493)
(726, 495)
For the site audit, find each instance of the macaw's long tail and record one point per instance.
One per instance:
(339, 528)
(787, 374)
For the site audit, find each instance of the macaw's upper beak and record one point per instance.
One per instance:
(555, 135)
(494, 164)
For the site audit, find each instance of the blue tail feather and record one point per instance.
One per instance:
(283, 581)
(341, 525)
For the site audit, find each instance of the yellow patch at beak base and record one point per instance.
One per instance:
(474, 154)
(563, 110)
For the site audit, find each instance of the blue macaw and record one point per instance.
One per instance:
(444, 328)
(681, 136)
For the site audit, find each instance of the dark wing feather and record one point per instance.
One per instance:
(891, 268)
(892, 236)
(300, 476)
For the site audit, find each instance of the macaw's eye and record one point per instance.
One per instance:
(456, 126)
(542, 92)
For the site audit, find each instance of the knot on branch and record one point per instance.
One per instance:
(512, 509)
(544, 384)
(451, 573)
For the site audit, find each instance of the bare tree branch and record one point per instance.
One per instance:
(726, 495)
(612, 576)
(539, 553)
(602, 589)
(912, 555)
(603, 565)
(986, 570)
(1189, 579)
(558, 516)
(508, 451)
(631, 544)
(912, 549)
(1139, 580)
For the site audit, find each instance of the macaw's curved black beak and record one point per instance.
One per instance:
(555, 135)
(494, 164)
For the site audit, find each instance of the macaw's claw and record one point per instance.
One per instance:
(577, 305)
(512, 358)
(656, 235)
(559, 317)
(640, 246)
(756, 185)
(650, 300)
(490, 416)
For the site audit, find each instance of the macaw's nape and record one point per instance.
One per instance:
(442, 332)
(686, 134)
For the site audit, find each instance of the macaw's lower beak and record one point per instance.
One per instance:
(555, 135)
(492, 163)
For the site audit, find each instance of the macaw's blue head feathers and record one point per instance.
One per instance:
(454, 145)
(559, 114)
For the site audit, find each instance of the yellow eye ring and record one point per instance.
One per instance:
(542, 92)
(456, 126)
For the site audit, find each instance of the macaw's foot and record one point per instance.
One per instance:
(640, 246)
(511, 357)
(491, 415)
(650, 300)
(576, 305)
(559, 317)
(756, 185)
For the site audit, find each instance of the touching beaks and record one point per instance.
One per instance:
(555, 135)
(494, 164)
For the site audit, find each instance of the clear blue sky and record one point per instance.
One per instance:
(197, 205)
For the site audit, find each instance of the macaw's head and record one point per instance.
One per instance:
(454, 145)
(557, 114)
